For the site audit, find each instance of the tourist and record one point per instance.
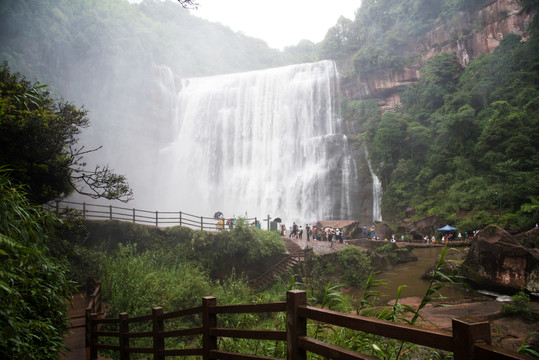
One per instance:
(314, 233)
(307, 230)
(300, 234)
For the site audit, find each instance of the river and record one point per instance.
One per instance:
(409, 275)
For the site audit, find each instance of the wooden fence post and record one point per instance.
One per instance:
(296, 326)
(201, 223)
(466, 332)
(88, 327)
(209, 320)
(134, 221)
(158, 328)
(124, 336)
(180, 218)
(93, 337)
(110, 212)
(84, 210)
(156, 218)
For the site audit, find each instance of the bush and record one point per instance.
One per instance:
(34, 289)
(520, 306)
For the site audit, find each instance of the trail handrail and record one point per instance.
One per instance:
(468, 340)
(94, 304)
(146, 217)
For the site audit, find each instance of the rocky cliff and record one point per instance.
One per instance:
(467, 35)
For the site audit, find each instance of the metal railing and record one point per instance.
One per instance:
(146, 217)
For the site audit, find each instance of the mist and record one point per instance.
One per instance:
(128, 64)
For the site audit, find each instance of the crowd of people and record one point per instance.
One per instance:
(230, 222)
(314, 233)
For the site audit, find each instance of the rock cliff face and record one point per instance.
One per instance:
(497, 261)
(467, 35)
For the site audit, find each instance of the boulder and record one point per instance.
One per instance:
(382, 230)
(496, 260)
(426, 226)
(529, 239)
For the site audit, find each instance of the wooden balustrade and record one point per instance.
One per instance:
(469, 340)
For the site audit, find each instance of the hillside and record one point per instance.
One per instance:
(460, 81)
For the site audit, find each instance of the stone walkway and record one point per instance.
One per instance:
(319, 247)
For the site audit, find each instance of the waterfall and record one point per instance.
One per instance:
(376, 192)
(258, 143)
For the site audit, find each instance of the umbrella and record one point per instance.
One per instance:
(447, 228)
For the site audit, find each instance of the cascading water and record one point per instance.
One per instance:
(258, 143)
(376, 192)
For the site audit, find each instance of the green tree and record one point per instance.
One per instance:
(388, 144)
(38, 141)
(33, 286)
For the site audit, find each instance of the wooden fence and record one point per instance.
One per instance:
(469, 339)
(94, 305)
(146, 217)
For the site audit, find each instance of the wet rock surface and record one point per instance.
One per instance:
(496, 260)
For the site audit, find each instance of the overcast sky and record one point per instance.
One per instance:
(279, 23)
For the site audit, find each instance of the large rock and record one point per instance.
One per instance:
(529, 239)
(426, 226)
(496, 260)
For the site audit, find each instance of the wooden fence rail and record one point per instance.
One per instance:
(146, 217)
(469, 340)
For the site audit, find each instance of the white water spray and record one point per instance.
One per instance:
(376, 192)
(258, 143)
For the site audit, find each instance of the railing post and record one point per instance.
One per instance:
(110, 211)
(88, 327)
(201, 223)
(93, 337)
(124, 336)
(180, 218)
(296, 326)
(158, 328)
(84, 210)
(467, 332)
(209, 321)
(57, 207)
(134, 221)
(156, 218)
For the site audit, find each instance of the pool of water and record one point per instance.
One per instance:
(409, 275)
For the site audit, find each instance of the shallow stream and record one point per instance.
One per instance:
(409, 274)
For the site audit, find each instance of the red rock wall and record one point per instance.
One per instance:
(467, 35)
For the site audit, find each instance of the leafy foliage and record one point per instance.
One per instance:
(34, 289)
(463, 140)
(520, 306)
(38, 140)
